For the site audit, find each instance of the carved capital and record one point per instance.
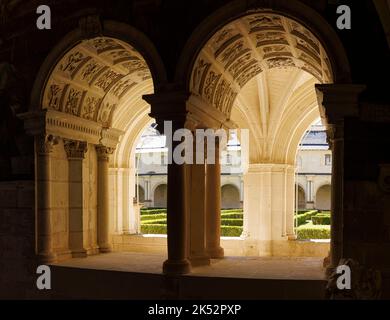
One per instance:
(45, 143)
(104, 152)
(168, 106)
(338, 101)
(335, 132)
(75, 149)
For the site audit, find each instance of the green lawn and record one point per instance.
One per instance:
(312, 224)
(154, 221)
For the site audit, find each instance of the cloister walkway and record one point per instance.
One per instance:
(126, 275)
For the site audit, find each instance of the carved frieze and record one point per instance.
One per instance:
(89, 108)
(107, 79)
(122, 86)
(281, 62)
(73, 101)
(72, 62)
(264, 22)
(210, 85)
(102, 44)
(105, 113)
(54, 94)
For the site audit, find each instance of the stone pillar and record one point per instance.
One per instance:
(43, 147)
(171, 106)
(197, 215)
(336, 136)
(75, 151)
(213, 204)
(337, 102)
(104, 241)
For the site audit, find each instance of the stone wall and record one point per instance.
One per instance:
(366, 235)
(17, 239)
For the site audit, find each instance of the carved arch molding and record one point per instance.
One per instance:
(249, 45)
(92, 81)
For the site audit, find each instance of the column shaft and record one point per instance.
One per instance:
(213, 205)
(44, 146)
(197, 217)
(177, 262)
(104, 241)
(75, 151)
(337, 188)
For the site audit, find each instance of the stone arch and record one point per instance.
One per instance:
(230, 197)
(323, 197)
(160, 196)
(80, 101)
(110, 29)
(298, 11)
(255, 65)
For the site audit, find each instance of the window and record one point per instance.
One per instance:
(328, 159)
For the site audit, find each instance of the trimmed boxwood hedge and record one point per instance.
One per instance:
(231, 222)
(302, 218)
(157, 221)
(145, 211)
(231, 231)
(226, 231)
(147, 217)
(321, 219)
(310, 231)
(232, 215)
(231, 210)
(154, 228)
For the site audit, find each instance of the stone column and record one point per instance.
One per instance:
(197, 216)
(336, 137)
(75, 151)
(104, 241)
(43, 148)
(337, 102)
(213, 204)
(171, 106)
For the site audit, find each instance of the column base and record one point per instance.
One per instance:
(46, 258)
(105, 249)
(176, 267)
(198, 261)
(216, 253)
(79, 254)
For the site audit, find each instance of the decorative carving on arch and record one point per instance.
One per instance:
(93, 78)
(248, 46)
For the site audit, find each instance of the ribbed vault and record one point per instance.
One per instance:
(259, 71)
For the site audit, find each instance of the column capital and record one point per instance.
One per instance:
(104, 152)
(75, 149)
(45, 143)
(169, 105)
(337, 101)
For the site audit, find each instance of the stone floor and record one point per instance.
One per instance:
(231, 267)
